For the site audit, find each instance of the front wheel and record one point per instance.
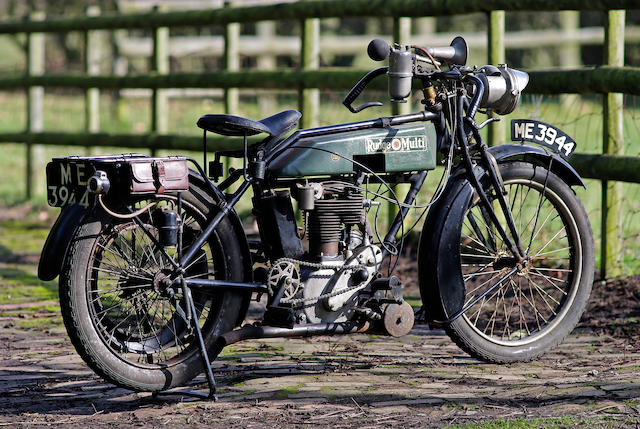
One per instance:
(127, 326)
(538, 302)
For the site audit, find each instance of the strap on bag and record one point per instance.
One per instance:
(159, 175)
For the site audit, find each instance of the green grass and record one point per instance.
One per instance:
(414, 301)
(289, 390)
(21, 241)
(19, 283)
(24, 236)
(12, 53)
(567, 422)
(39, 323)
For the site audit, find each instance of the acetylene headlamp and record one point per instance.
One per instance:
(502, 88)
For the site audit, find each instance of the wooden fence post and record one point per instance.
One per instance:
(613, 144)
(35, 95)
(119, 67)
(265, 30)
(425, 25)
(231, 62)
(160, 65)
(309, 98)
(496, 55)
(92, 54)
(569, 51)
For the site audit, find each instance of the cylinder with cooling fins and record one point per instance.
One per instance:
(330, 212)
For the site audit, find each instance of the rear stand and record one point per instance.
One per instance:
(192, 318)
(206, 363)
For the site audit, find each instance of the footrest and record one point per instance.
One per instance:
(281, 317)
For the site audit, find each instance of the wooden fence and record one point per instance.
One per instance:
(611, 80)
(259, 45)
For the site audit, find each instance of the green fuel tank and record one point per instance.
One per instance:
(402, 148)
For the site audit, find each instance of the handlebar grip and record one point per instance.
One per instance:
(359, 87)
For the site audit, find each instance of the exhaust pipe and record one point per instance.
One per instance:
(311, 330)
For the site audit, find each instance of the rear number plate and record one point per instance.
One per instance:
(67, 183)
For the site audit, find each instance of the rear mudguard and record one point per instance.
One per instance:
(55, 248)
(70, 218)
(443, 298)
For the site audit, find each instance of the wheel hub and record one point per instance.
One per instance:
(505, 262)
(131, 283)
(161, 282)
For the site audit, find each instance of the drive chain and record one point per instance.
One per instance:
(319, 266)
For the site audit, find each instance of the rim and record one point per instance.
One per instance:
(537, 297)
(135, 317)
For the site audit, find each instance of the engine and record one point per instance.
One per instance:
(325, 284)
(327, 215)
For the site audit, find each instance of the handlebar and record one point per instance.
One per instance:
(494, 88)
(477, 96)
(456, 53)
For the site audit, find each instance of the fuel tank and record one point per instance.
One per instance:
(410, 147)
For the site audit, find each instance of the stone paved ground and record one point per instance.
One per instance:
(420, 380)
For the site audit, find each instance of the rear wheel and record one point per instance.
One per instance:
(540, 302)
(129, 327)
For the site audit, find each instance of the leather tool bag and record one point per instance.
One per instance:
(157, 175)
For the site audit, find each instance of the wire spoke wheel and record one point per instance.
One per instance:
(128, 323)
(535, 297)
(137, 318)
(517, 310)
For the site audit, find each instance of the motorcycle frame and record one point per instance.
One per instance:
(270, 152)
(266, 153)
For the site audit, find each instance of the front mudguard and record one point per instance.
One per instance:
(442, 297)
(70, 218)
(540, 156)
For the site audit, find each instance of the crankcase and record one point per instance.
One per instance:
(337, 308)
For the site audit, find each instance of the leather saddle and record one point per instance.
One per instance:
(275, 126)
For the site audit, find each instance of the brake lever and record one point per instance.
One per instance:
(364, 106)
(485, 123)
(359, 87)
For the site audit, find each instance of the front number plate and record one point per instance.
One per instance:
(527, 130)
(67, 183)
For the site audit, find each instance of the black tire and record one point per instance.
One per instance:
(126, 330)
(540, 304)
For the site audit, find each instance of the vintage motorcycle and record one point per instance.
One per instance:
(157, 273)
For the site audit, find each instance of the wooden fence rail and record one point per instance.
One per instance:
(251, 46)
(308, 79)
(590, 166)
(585, 80)
(305, 10)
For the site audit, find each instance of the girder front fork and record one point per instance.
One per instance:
(513, 242)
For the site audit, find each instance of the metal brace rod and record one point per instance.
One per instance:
(204, 355)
